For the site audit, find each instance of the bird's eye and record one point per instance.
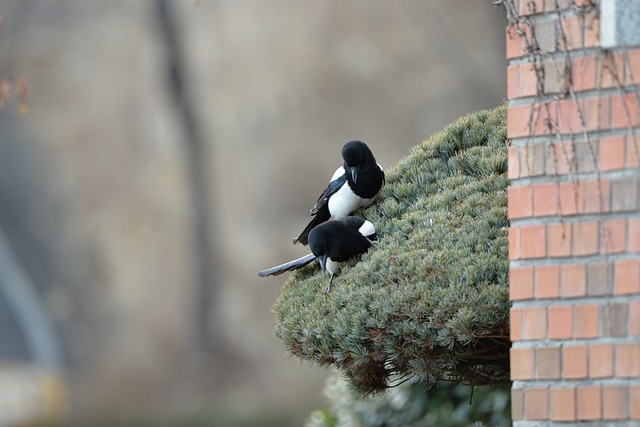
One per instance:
(373, 238)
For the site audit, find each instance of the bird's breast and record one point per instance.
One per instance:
(332, 267)
(344, 202)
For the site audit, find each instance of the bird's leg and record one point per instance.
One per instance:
(329, 285)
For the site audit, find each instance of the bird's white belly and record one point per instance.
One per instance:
(332, 266)
(344, 202)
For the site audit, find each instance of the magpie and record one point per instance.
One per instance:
(353, 186)
(332, 243)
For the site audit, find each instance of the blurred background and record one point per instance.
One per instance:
(154, 155)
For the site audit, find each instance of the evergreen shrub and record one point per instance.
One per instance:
(430, 300)
(412, 405)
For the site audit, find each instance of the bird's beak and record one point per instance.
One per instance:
(323, 262)
(354, 174)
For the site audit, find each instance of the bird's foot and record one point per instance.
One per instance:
(329, 285)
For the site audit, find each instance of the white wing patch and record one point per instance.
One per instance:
(367, 229)
(338, 173)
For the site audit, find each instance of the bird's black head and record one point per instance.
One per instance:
(355, 155)
(319, 241)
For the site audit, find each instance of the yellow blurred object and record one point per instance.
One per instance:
(22, 108)
(30, 395)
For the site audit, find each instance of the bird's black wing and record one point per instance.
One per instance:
(321, 216)
(320, 211)
(287, 266)
(331, 189)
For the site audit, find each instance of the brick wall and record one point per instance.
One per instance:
(574, 239)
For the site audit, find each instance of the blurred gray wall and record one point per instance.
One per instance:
(97, 189)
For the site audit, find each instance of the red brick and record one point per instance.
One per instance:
(528, 81)
(627, 277)
(530, 119)
(597, 112)
(634, 318)
(522, 363)
(583, 71)
(634, 235)
(627, 360)
(560, 157)
(534, 323)
(633, 151)
(595, 196)
(533, 241)
(559, 240)
(516, 44)
(547, 281)
(514, 162)
(515, 324)
(532, 161)
(574, 362)
(569, 115)
(520, 202)
(545, 199)
(624, 111)
(589, 403)
(634, 65)
(586, 319)
(571, 26)
(517, 404)
(612, 153)
(521, 283)
(547, 118)
(634, 402)
(591, 27)
(536, 404)
(518, 121)
(613, 236)
(548, 363)
(573, 280)
(600, 360)
(560, 322)
(514, 243)
(611, 70)
(512, 81)
(570, 198)
(563, 404)
(614, 403)
(585, 238)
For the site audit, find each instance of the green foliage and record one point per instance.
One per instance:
(430, 300)
(412, 405)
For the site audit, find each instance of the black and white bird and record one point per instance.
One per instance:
(353, 186)
(332, 243)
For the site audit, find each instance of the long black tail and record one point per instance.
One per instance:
(322, 216)
(287, 266)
